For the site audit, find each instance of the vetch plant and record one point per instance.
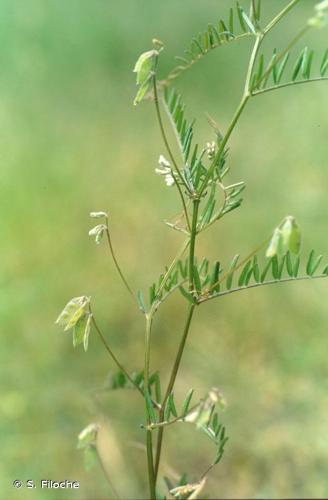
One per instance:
(199, 177)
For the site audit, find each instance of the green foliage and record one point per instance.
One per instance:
(238, 25)
(280, 71)
(184, 131)
(275, 269)
(199, 177)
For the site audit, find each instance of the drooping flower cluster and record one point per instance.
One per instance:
(99, 230)
(165, 170)
(210, 150)
(76, 316)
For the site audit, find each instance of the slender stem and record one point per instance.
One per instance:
(241, 263)
(170, 386)
(149, 321)
(193, 236)
(247, 89)
(179, 353)
(280, 16)
(253, 12)
(150, 462)
(149, 439)
(166, 423)
(115, 260)
(239, 110)
(288, 84)
(166, 276)
(187, 64)
(112, 355)
(255, 285)
(251, 64)
(224, 141)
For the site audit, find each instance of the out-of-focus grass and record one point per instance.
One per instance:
(71, 142)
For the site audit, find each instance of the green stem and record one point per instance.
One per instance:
(149, 322)
(112, 355)
(176, 365)
(150, 462)
(193, 236)
(288, 84)
(241, 263)
(223, 143)
(251, 64)
(167, 274)
(115, 260)
(282, 54)
(239, 110)
(187, 64)
(149, 439)
(280, 16)
(255, 285)
(254, 13)
(170, 386)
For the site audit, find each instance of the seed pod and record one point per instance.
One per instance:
(291, 235)
(275, 243)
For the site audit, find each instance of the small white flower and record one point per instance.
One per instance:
(169, 180)
(98, 232)
(163, 162)
(210, 149)
(165, 170)
(98, 215)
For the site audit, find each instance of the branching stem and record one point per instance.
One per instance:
(288, 84)
(255, 285)
(170, 386)
(279, 16)
(149, 439)
(283, 53)
(241, 263)
(238, 112)
(193, 229)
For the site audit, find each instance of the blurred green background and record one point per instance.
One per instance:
(71, 142)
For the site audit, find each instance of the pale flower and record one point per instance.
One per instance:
(165, 170)
(210, 149)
